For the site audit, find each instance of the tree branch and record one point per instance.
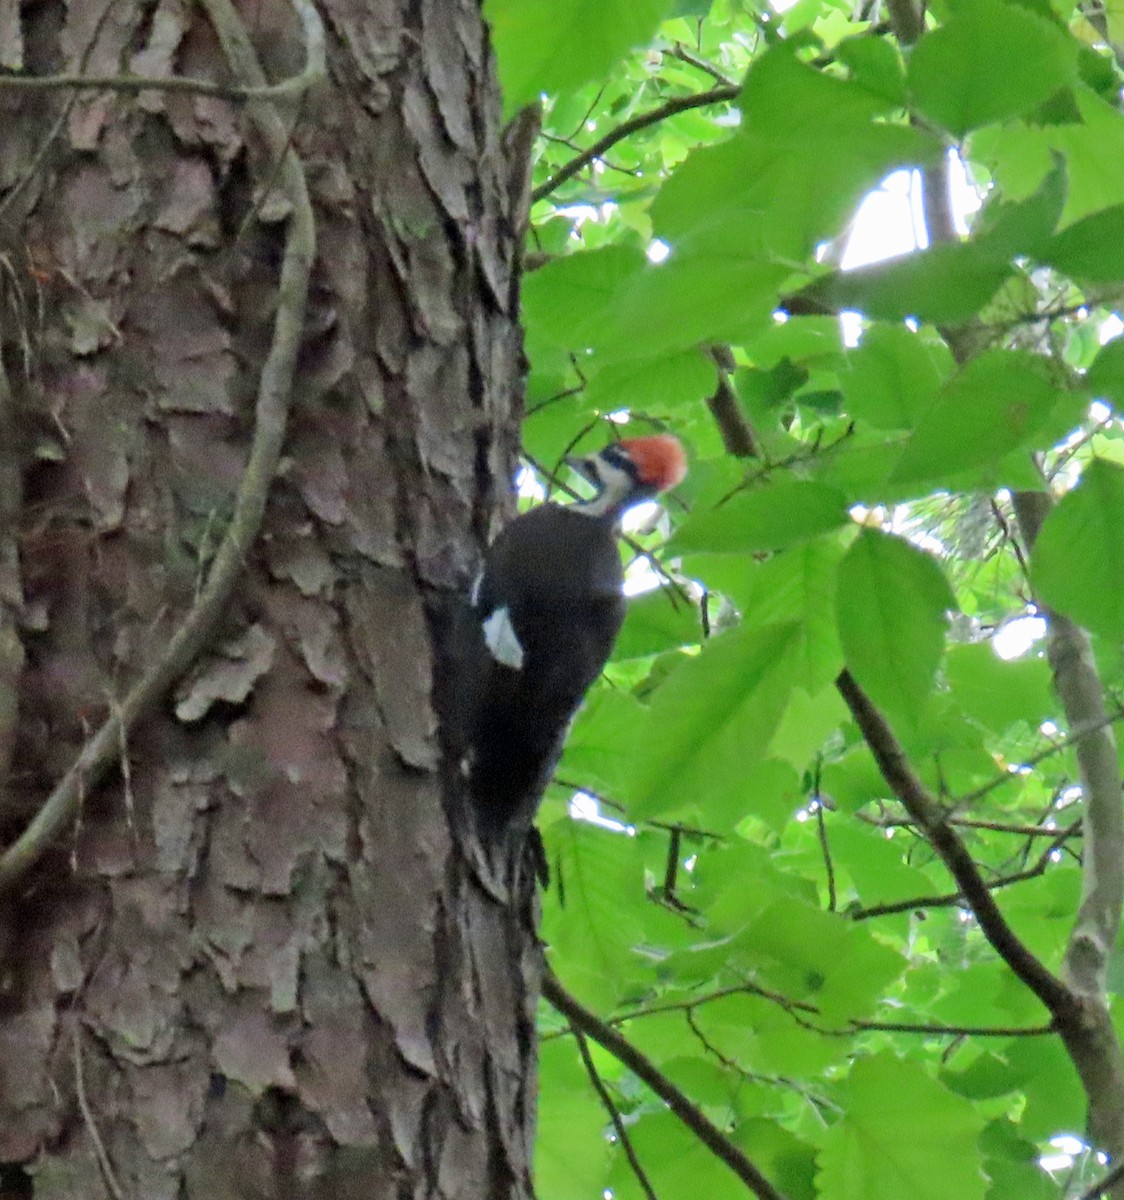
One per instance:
(271, 415)
(614, 1113)
(682, 53)
(908, 788)
(825, 849)
(669, 108)
(1074, 738)
(905, 20)
(738, 437)
(948, 899)
(1032, 831)
(804, 1009)
(1090, 1037)
(1079, 688)
(690, 1114)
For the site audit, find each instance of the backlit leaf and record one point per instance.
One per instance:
(1077, 566)
(768, 517)
(989, 61)
(892, 605)
(553, 45)
(885, 1146)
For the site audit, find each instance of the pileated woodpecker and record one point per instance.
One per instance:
(548, 604)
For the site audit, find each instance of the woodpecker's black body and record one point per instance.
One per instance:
(547, 609)
(557, 574)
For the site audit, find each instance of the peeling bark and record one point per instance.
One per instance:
(260, 965)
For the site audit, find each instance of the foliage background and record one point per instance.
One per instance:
(759, 917)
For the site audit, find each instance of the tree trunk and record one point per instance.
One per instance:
(259, 963)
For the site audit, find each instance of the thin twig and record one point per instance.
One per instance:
(801, 1010)
(825, 848)
(295, 85)
(271, 415)
(681, 52)
(614, 1112)
(644, 1069)
(669, 108)
(952, 899)
(1073, 739)
(106, 1167)
(1030, 831)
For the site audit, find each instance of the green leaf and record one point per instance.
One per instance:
(798, 584)
(676, 1162)
(997, 693)
(807, 723)
(770, 792)
(892, 603)
(566, 301)
(1054, 1099)
(819, 957)
(999, 401)
(1024, 226)
(1092, 147)
(571, 1152)
(555, 45)
(874, 862)
(768, 518)
(875, 65)
(760, 1032)
(1092, 249)
(901, 1134)
(808, 149)
(984, 1078)
(1106, 374)
(585, 918)
(1076, 566)
(653, 384)
(601, 746)
(657, 621)
(944, 284)
(990, 61)
(1011, 1162)
(894, 375)
(853, 779)
(711, 720)
(787, 1162)
(692, 299)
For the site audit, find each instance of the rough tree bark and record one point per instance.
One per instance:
(257, 964)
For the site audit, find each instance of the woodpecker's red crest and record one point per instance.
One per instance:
(659, 460)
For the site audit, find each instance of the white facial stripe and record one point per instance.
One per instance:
(616, 484)
(501, 639)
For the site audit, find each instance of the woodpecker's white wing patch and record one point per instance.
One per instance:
(502, 640)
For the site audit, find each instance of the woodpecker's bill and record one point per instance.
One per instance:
(549, 603)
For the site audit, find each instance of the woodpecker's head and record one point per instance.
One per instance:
(631, 470)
